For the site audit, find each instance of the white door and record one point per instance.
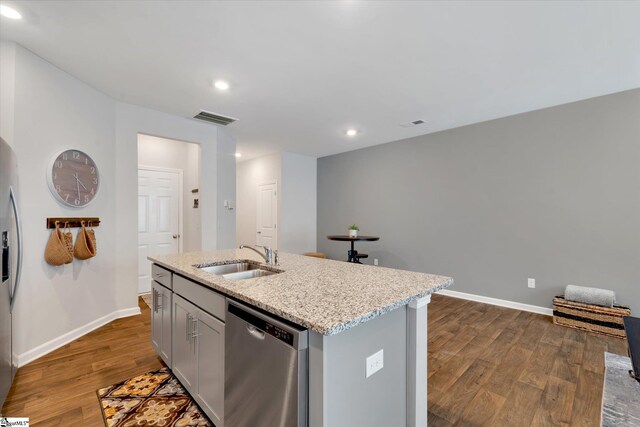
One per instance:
(158, 219)
(267, 216)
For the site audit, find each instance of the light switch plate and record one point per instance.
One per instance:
(375, 362)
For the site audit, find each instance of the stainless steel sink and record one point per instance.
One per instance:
(250, 274)
(241, 270)
(222, 269)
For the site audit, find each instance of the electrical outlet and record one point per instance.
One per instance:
(531, 282)
(375, 362)
(375, 261)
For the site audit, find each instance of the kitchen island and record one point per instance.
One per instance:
(349, 311)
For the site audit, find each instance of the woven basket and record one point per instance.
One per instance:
(590, 318)
(85, 247)
(59, 249)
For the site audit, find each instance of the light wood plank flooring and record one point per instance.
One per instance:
(488, 366)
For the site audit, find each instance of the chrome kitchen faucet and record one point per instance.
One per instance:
(270, 256)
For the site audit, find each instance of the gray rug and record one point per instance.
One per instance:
(621, 395)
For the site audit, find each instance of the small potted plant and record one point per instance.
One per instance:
(353, 230)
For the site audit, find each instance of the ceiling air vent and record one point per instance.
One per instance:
(208, 116)
(412, 123)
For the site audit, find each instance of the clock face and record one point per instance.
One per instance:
(73, 178)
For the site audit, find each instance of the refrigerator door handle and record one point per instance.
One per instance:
(16, 215)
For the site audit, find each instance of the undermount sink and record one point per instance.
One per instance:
(222, 269)
(249, 274)
(239, 270)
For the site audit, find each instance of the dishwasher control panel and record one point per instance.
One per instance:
(263, 325)
(279, 333)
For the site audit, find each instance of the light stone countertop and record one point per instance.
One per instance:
(324, 295)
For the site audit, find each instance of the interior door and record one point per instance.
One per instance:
(158, 219)
(267, 216)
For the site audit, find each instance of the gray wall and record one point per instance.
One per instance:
(552, 194)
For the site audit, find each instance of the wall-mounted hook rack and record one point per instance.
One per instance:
(74, 222)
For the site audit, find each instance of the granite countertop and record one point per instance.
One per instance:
(323, 295)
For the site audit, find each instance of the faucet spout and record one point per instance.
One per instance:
(267, 255)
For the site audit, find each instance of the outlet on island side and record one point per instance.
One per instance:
(531, 282)
(375, 362)
(375, 261)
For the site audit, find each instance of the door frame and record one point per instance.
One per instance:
(180, 173)
(260, 184)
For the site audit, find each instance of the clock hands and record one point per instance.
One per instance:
(75, 175)
(78, 184)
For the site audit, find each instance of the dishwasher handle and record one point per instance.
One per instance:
(255, 332)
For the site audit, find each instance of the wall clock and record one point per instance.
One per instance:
(73, 178)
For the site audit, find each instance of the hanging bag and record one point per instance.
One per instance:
(59, 249)
(85, 243)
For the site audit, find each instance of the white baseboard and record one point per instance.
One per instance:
(49, 346)
(499, 302)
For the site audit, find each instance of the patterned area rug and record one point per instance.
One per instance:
(621, 394)
(152, 399)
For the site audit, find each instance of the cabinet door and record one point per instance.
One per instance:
(156, 317)
(210, 357)
(165, 300)
(184, 354)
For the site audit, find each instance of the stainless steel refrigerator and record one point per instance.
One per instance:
(11, 244)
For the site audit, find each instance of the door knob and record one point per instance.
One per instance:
(175, 236)
(259, 232)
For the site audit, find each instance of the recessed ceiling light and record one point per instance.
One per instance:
(352, 132)
(221, 84)
(238, 154)
(8, 12)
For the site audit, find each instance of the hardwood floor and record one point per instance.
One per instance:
(488, 366)
(493, 366)
(59, 389)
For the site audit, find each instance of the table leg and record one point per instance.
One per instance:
(352, 253)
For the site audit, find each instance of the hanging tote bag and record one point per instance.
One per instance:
(59, 249)
(85, 243)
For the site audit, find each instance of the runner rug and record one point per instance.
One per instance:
(152, 399)
(621, 394)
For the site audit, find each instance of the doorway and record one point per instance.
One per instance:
(168, 201)
(267, 215)
(159, 219)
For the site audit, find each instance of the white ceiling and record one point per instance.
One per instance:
(301, 73)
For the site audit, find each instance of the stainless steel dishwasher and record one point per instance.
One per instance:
(266, 374)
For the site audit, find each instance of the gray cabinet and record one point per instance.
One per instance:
(161, 321)
(198, 356)
(209, 335)
(184, 355)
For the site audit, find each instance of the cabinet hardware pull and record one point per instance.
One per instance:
(194, 333)
(188, 326)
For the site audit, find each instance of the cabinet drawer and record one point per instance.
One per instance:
(161, 275)
(205, 298)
